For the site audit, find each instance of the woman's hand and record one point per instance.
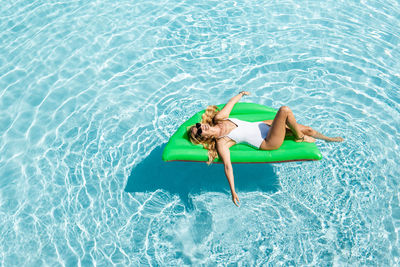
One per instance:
(226, 110)
(235, 198)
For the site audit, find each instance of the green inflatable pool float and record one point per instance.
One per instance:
(179, 147)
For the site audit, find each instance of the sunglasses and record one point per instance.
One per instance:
(199, 130)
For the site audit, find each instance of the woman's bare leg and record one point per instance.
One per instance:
(277, 132)
(307, 130)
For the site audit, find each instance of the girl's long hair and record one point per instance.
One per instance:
(208, 143)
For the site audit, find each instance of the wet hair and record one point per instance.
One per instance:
(208, 143)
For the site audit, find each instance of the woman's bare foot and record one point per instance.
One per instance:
(335, 139)
(326, 138)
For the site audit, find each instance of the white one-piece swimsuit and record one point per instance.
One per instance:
(252, 133)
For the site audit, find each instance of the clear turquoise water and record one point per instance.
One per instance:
(90, 91)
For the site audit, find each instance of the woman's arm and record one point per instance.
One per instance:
(224, 113)
(224, 153)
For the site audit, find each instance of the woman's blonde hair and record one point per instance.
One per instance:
(208, 143)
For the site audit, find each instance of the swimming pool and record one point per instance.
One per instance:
(90, 91)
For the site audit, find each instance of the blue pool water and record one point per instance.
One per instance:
(90, 92)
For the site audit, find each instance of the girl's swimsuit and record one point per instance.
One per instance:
(252, 133)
